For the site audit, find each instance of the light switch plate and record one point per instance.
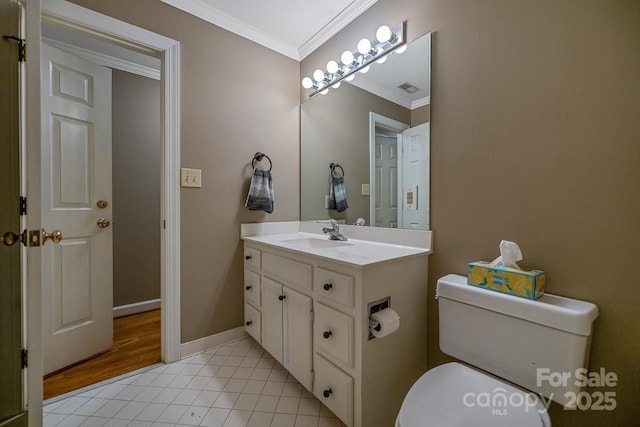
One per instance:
(191, 177)
(366, 190)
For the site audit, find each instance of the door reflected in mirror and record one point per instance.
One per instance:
(376, 128)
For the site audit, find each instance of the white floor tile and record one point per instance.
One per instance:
(225, 372)
(191, 369)
(194, 416)
(254, 387)
(218, 359)
(131, 410)
(208, 370)
(186, 397)
(152, 411)
(330, 422)
(266, 403)
(136, 423)
(224, 351)
(145, 378)
(167, 395)
(260, 374)
(226, 400)
(243, 373)
(237, 418)
(283, 420)
(249, 362)
(110, 408)
(266, 362)
(148, 394)
(70, 405)
(273, 388)
(110, 391)
(117, 423)
(260, 419)
(181, 381)
(278, 375)
(246, 402)
(94, 422)
(309, 407)
(235, 385)
(306, 421)
(172, 414)
(129, 392)
(215, 417)
(163, 380)
(288, 405)
(216, 384)
(91, 407)
(240, 351)
(50, 420)
(292, 390)
(233, 360)
(206, 398)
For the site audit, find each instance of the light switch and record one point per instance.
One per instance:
(366, 190)
(190, 177)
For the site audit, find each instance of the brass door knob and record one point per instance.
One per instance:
(55, 236)
(103, 223)
(9, 238)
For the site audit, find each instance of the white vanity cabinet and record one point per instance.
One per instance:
(314, 320)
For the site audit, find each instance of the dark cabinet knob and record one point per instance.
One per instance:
(281, 297)
(249, 322)
(327, 392)
(327, 286)
(248, 287)
(327, 334)
(247, 257)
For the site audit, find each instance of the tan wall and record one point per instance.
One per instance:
(237, 98)
(536, 103)
(137, 143)
(335, 128)
(420, 115)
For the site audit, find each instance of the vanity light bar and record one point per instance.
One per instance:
(386, 41)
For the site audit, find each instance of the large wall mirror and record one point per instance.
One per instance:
(375, 127)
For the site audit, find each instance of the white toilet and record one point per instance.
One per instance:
(516, 344)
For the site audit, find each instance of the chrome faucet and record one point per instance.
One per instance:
(334, 231)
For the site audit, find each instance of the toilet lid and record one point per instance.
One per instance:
(454, 395)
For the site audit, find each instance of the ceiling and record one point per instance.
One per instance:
(294, 28)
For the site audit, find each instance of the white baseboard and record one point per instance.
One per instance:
(136, 307)
(206, 343)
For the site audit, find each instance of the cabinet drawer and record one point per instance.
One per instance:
(286, 270)
(252, 287)
(334, 388)
(252, 322)
(333, 333)
(252, 257)
(335, 286)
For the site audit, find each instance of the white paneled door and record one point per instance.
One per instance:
(386, 185)
(415, 177)
(77, 274)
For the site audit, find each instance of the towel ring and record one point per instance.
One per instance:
(258, 157)
(333, 167)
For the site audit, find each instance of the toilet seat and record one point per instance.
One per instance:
(454, 395)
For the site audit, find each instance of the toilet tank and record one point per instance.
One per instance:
(527, 342)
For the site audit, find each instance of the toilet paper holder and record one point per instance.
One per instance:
(374, 307)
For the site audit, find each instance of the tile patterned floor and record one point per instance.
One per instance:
(235, 385)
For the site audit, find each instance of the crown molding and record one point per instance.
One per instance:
(217, 17)
(343, 19)
(421, 102)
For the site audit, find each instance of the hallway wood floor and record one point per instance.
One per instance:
(136, 344)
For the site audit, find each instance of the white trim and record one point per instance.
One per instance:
(217, 17)
(136, 307)
(203, 344)
(107, 60)
(104, 27)
(389, 95)
(343, 19)
(421, 102)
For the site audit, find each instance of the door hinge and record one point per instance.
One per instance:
(24, 357)
(22, 47)
(23, 205)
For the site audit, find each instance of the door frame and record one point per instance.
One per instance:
(86, 21)
(376, 119)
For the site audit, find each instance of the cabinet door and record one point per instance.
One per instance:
(272, 318)
(297, 332)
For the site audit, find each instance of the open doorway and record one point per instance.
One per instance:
(102, 140)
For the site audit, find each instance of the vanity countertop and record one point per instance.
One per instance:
(353, 252)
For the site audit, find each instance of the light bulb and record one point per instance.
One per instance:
(307, 83)
(347, 57)
(336, 86)
(383, 34)
(401, 49)
(382, 60)
(324, 92)
(349, 77)
(332, 67)
(364, 69)
(364, 46)
(318, 75)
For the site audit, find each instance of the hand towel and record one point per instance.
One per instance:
(260, 195)
(337, 194)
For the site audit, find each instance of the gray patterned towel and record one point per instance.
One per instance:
(260, 195)
(337, 194)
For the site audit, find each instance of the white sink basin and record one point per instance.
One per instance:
(312, 243)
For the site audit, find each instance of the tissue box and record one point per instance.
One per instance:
(522, 283)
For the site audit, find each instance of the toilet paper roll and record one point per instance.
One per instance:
(384, 322)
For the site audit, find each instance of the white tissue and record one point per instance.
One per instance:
(509, 253)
